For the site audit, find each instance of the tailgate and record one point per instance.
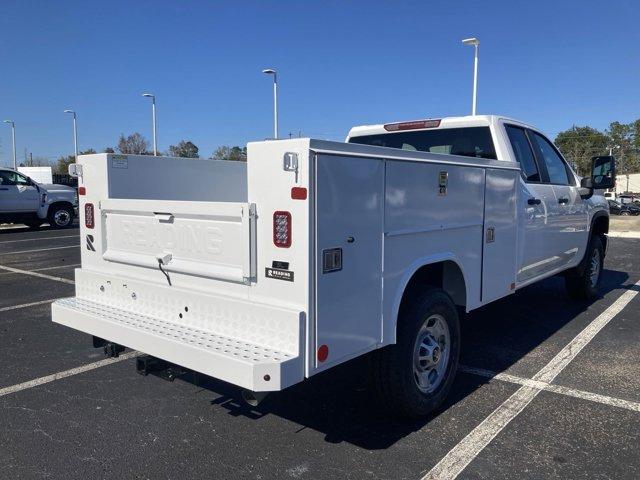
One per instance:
(208, 239)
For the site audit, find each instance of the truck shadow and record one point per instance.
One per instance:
(340, 403)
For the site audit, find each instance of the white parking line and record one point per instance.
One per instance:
(37, 274)
(40, 249)
(571, 392)
(56, 267)
(457, 459)
(25, 305)
(628, 234)
(66, 373)
(37, 238)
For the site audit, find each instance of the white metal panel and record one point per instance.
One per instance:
(208, 239)
(500, 234)
(349, 205)
(424, 225)
(41, 175)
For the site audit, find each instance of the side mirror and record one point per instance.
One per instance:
(603, 172)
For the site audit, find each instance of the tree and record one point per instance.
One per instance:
(109, 150)
(184, 149)
(579, 144)
(134, 144)
(225, 152)
(623, 145)
(35, 162)
(62, 164)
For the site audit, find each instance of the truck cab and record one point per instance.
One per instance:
(23, 200)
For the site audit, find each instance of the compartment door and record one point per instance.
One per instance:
(349, 231)
(500, 234)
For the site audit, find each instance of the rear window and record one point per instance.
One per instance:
(468, 142)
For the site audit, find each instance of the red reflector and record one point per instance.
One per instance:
(88, 215)
(299, 193)
(394, 127)
(282, 229)
(82, 191)
(323, 353)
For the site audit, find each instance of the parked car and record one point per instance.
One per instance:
(312, 253)
(617, 208)
(23, 200)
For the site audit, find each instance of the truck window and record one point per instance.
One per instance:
(556, 168)
(524, 154)
(467, 142)
(7, 178)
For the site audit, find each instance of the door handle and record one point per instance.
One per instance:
(563, 200)
(534, 201)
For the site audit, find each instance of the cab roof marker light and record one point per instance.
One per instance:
(414, 125)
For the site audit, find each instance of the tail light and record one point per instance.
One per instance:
(282, 229)
(88, 215)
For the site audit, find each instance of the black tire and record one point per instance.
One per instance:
(60, 216)
(394, 376)
(582, 286)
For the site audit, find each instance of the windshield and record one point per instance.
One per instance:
(468, 142)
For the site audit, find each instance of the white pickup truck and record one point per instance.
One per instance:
(23, 200)
(315, 252)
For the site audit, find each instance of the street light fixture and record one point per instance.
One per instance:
(271, 71)
(13, 135)
(475, 42)
(153, 112)
(75, 132)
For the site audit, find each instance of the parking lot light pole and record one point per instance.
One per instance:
(13, 135)
(153, 113)
(75, 132)
(271, 71)
(475, 42)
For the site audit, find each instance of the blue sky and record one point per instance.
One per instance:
(340, 63)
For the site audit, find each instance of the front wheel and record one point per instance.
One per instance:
(586, 285)
(414, 376)
(60, 216)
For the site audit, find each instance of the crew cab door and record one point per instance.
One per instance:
(17, 193)
(537, 253)
(570, 222)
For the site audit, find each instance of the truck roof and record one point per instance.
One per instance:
(445, 122)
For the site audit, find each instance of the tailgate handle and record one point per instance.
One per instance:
(164, 217)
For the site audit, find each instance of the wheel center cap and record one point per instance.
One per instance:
(435, 356)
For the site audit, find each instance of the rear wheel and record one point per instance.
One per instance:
(624, 213)
(60, 216)
(586, 285)
(414, 376)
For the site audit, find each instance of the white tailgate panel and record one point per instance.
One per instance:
(208, 239)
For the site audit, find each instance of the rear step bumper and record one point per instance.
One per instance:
(247, 365)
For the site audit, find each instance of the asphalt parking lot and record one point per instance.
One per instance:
(549, 388)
